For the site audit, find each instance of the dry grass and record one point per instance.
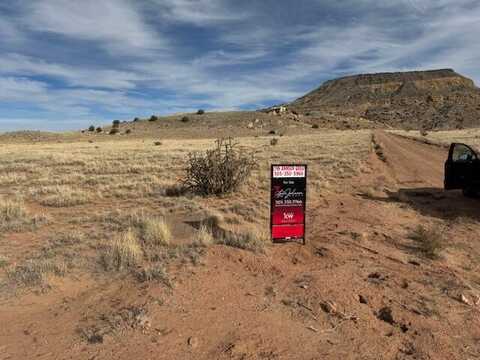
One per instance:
(156, 231)
(250, 240)
(14, 217)
(430, 240)
(122, 252)
(35, 272)
(204, 236)
(63, 196)
(127, 183)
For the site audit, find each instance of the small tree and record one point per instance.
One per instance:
(218, 171)
(91, 128)
(116, 123)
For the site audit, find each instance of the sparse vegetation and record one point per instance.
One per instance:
(430, 240)
(156, 231)
(14, 217)
(252, 240)
(124, 251)
(218, 171)
(155, 272)
(63, 196)
(204, 236)
(34, 272)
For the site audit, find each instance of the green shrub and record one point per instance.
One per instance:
(114, 131)
(153, 118)
(99, 129)
(200, 112)
(116, 123)
(91, 128)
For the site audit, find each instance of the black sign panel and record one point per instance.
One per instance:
(288, 202)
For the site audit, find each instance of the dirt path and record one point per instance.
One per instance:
(412, 163)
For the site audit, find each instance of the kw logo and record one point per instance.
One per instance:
(288, 216)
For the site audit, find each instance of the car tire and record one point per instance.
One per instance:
(470, 192)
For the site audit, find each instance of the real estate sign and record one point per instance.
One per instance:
(288, 202)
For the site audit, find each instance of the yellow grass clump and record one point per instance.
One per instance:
(156, 231)
(122, 252)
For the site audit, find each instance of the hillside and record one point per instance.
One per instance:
(436, 99)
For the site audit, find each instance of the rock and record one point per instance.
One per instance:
(329, 307)
(362, 299)
(385, 314)
(465, 300)
(192, 342)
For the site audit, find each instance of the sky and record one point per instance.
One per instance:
(67, 64)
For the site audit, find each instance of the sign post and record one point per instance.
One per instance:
(288, 201)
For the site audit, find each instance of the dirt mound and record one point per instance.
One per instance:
(420, 99)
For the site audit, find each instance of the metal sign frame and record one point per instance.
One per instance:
(301, 208)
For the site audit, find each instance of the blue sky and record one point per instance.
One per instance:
(67, 64)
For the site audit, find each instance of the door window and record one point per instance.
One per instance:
(462, 153)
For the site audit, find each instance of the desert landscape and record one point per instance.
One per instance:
(105, 255)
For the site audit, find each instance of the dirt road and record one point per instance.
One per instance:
(412, 163)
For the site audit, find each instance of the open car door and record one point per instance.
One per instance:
(460, 167)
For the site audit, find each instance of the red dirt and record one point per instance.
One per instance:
(239, 305)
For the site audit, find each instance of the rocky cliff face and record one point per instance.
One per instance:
(439, 99)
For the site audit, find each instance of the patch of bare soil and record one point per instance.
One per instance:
(360, 288)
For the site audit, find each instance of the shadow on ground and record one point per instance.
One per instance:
(434, 202)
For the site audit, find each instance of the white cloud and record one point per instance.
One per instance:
(198, 12)
(18, 64)
(115, 23)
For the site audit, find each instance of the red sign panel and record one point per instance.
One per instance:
(288, 199)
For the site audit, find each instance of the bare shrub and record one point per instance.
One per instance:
(122, 252)
(430, 241)
(218, 171)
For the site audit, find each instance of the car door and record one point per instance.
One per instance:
(459, 167)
